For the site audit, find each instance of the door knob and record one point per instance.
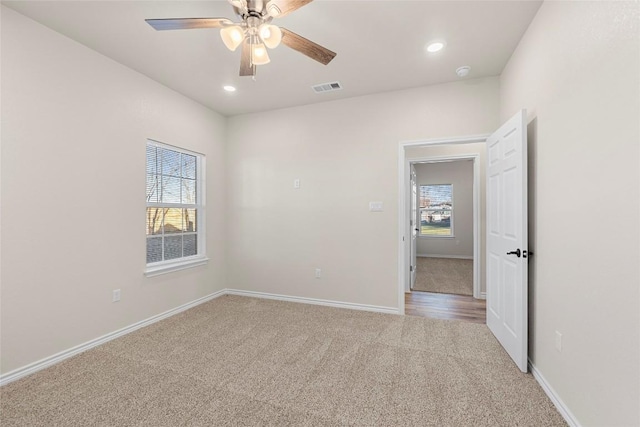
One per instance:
(516, 253)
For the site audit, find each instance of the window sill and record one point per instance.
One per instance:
(436, 237)
(169, 267)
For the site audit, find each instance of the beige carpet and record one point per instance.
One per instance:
(445, 276)
(239, 361)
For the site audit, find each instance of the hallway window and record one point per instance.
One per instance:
(436, 210)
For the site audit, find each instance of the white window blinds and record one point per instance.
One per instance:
(174, 203)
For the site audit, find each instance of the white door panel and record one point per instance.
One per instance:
(493, 270)
(507, 237)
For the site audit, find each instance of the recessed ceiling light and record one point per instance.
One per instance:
(229, 88)
(434, 47)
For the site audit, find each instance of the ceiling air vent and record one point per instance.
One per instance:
(326, 87)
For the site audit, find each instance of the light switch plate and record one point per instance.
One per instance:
(375, 206)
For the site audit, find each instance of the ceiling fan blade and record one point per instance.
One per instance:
(279, 8)
(246, 68)
(187, 23)
(307, 47)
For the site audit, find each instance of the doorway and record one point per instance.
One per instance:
(436, 221)
(504, 228)
(440, 150)
(443, 209)
(433, 151)
(445, 216)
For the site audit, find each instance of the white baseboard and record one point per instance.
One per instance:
(445, 256)
(314, 301)
(559, 404)
(59, 357)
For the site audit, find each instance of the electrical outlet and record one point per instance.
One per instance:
(116, 295)
(318, 273)
(559, 342)
(296, 183)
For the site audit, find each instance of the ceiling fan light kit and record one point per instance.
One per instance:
(259, 55)
(271, 35)
(255, 33)
(232, 37)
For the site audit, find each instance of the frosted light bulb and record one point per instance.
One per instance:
(259, 54)
(232, 37)
(270, 35)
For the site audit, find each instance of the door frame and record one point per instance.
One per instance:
(404, 228)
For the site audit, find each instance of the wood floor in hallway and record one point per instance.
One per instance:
(445, 306)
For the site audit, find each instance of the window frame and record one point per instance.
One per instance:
(451, 216)
(200, 258)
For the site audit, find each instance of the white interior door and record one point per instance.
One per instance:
(507, 237)
(414, 225)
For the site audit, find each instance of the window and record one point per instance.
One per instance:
(175, 208)
(436, 210)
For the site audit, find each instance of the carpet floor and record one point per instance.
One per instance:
(444, 276)
(238, 361)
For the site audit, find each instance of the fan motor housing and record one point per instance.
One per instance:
(254, 8)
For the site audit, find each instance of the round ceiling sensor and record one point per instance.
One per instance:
(463, 71)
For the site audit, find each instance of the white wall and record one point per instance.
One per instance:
(74, 128)
(460, 175)
(577, 72)
(345, 154)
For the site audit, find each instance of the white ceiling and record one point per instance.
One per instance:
(380, 46)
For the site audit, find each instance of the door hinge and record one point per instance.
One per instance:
(411, 268)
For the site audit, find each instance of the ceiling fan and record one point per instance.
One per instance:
(255, 32)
